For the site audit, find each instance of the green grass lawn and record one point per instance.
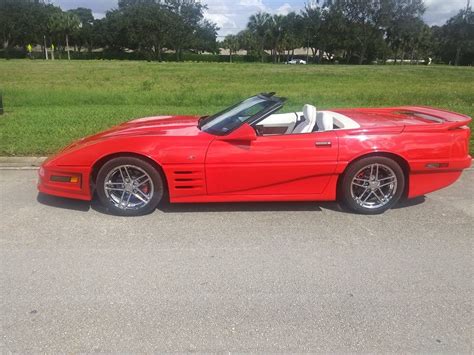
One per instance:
(49, 104)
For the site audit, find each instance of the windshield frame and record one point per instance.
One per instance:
(274, 104)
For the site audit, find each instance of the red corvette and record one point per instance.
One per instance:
(365, 158)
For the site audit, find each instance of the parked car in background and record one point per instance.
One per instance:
(296, 61)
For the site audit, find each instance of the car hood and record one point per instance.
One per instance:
(169, 126)
(157, 125)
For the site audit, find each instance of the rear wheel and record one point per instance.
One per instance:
(129, 186)
(372, 185)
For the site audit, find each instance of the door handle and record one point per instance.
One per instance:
(322, 144)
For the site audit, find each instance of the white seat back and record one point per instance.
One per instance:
(309, 115)
(325, 121)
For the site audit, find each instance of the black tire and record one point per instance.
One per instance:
(135, 167)
(350, 190)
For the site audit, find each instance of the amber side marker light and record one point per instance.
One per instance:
(63, 178)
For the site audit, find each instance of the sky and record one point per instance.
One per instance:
(232, 15)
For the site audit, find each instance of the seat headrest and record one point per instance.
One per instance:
(325, 121)
(309, 112)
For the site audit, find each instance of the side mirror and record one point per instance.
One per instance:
(243, 133)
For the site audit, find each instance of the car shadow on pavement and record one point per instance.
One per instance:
(411, 202)
(246, 207)
(167, 207)
(269, 206)
(65, 203)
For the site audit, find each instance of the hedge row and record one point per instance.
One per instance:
(118, 55)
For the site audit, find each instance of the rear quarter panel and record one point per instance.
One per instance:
(417, 148)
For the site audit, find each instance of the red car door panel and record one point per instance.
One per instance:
(272, 165)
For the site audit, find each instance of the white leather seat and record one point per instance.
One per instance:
(325, 121)
(309, 115)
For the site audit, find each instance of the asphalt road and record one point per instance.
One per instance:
(235, 277)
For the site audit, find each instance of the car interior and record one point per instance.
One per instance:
(307, 121)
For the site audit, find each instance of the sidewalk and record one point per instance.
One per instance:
(21, 162)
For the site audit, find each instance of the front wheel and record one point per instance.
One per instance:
(372, 185)
(129, 186)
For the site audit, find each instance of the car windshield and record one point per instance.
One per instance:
(227, 120)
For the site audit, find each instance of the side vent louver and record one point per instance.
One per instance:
(191, 181)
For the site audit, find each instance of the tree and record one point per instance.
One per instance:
(355, 31)
(232, 43)
(83, 37)
(146, 27)
(185, 18)
(312, 19)
(258, 25)
(248, 42)
(335, 34)
(112, 32)
(456, 39)
(366, 20)
(275, 35)
(23, 22)
(293, 31)
(404, 26)
(151, 26)
(205, 37)
(64, 24)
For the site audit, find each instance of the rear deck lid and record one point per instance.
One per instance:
(434, 118)
(408, 118)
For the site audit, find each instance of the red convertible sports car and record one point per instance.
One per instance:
(365, 158)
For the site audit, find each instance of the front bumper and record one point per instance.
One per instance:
(78, 189)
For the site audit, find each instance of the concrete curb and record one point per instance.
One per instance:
(21, 162)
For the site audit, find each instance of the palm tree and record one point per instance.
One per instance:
(293, 32)
(64, 24)
(276, 29)
(312, 18)
(232, 43)
(259, 25)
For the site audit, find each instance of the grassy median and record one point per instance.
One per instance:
(49, 104)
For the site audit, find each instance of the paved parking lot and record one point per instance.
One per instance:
(235, 277)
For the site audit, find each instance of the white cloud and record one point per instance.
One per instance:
(256, 4)
(284, 9)
(224, 22)
(98, 15)
(438, 11)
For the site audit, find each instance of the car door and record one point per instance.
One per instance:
(272, 165)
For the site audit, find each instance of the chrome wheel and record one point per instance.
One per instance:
(374, 186)
(128, 187)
